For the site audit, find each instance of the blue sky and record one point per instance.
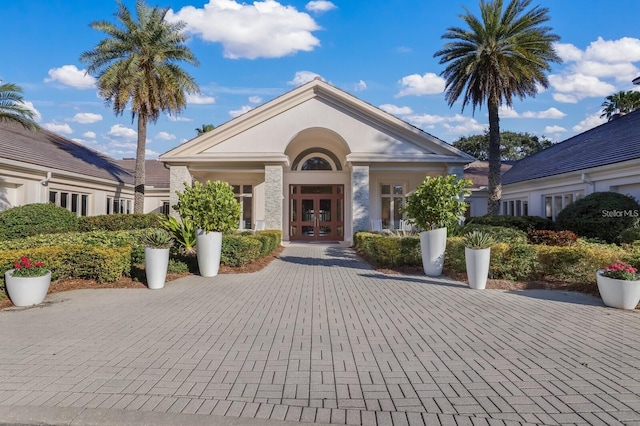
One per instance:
(378, 50)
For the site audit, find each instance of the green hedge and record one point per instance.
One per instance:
(74, 261)
(34, 219)
(523, 223)
(501, 234)
(240, 249)
(388, 251)
(120, 222)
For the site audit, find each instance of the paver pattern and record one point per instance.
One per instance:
(318, 336)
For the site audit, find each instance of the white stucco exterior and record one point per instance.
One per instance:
(365, 152)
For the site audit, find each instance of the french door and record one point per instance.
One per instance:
(316, 212)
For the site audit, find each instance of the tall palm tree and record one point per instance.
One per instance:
(499, 56)
(136, 65)
(205, 128)
(620, 103)
(13, 108)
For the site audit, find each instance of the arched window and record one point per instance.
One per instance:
(316, 163)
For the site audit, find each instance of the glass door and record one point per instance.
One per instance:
(315, 213)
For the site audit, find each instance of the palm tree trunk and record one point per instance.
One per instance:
(138, 201)
(495, 179)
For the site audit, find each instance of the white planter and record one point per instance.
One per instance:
(477, 261)
(433, 245)
(156, 262)
(621, 294)
(208, 248)
(27, 291)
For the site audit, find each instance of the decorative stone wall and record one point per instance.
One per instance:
(274, 182)
(179, 178)
(360, 190)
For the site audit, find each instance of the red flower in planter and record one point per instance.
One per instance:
(24, 268)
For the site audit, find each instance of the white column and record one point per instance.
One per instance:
(179, 178)
(274, 181)
(360, 202)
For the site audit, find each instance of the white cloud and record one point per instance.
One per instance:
(507, 112)
(626, 49)
(320, 6)
(396, 110)
(171, 117)
(551, 113)
(90, 135)
(70, 75)
(455, 125)
(263, 29)
(86, 118)
(415, 84)
(554, 129)
(589, 123)
(302, 77)
(564, 98)
(360, 86)
(621, 71)
(198, 99)
(255, 99)
(119, 131)
(467, 127)
(150, 154)
(28, 105)
(242, 110)
(61, 128)
(579, 86)
(568, 52)
(403, 49)
(165, 136)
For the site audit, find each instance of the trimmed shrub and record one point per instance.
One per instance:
(74, 261)
(119, 222)
(602, 215)
(553, 238)
(513, 262)
(523, 223)
(388, 250)
(34, 219)
(629, 235)
(454, 256)
(177, 267)
(500, 234)
(270, 241)
(238, 250)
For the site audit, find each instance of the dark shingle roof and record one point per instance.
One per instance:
(478, 172)
(47, 149)
(155, 173)
(609, 143)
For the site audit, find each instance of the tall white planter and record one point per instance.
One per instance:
(156, 263)
(477, 261)
(621, 294)
(433, 245)
(27, 291)
(208, 248)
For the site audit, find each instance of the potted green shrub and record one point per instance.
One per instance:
(28, 282)
(477, 255)
(213, 210)
(156, 257)
(436, 203)
(619, 285)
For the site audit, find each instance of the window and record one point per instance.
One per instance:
(76, 203)
(119, 206)
(244, 195)
(316, 163)
(392, 199)
(165, 208)
(515, 207)
(553, 204)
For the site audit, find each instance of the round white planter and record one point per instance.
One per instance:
(156, 262)
(477, 261)
(27, 291)
(621, 294)
(433, 245)
(208, 248)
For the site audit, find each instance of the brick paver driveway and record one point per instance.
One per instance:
(318, 336)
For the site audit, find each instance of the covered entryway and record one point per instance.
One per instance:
(316, 212)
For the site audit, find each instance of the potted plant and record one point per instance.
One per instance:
(156, 257)
(437, 203)
(619, 285)
(213, 210)
(28, 283)
(477, 255)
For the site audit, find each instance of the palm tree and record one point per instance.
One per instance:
(205, 128)
(620, 103)
(500, 55)
(12, 107)
(136, 65)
